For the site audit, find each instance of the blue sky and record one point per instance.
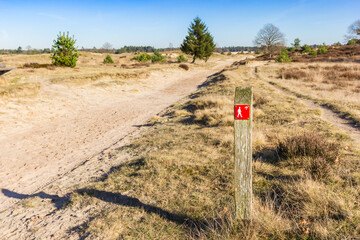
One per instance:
(159, 23)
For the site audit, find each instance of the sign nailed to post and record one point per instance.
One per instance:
(242, 112)
(243, 152)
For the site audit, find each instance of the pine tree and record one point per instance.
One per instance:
(199, 43)
(65, 53)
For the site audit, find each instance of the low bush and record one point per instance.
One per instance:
(37, 65)
(312, 52)
(292, 73)
(318, 168)
(143, 57)
(181, 59)
(284, 57)
(291, 49)
(108, 59)
(229, 53)
(184, 66)
(351, 42)
(311, 152)
(157, 57)
(308, 145)
(322, 49)
(305, 49)
(257, 52)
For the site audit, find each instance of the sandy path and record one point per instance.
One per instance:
(346, 125)
(327, 114)
(32, 158)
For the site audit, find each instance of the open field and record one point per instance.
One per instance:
(73, 115)
(177, 178)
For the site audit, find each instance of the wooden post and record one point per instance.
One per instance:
(243, 152)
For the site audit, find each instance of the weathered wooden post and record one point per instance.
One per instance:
(243, 152)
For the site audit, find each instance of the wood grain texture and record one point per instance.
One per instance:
(243, 156)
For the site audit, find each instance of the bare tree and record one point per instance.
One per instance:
(353, 31)
(270, 38)
(171, 47)
(28, 47)
(107, 46)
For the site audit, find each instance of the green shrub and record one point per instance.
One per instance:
(322, 49)
(65, 53)
(284, 56)
(181, 59)
(229, 53)
(257, 52)
(312, 52)
(108, 59)
(351, 42)
(157, 57)
(143, 57)
(337, 44)
(242, 52)
(306, 48)
(291, 49)
(222, 53)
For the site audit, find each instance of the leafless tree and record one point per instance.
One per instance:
(353, 31)
(107, 46)
(171, 47)
(270, 38)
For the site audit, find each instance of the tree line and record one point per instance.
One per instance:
(199, 43)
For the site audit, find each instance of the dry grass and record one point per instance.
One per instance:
(179, 184)
(334, 85)
(37, 70)
(17, 88)
(337, 74)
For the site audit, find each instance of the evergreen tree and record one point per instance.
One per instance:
(108, 59)
(199, 43)
(65, 53)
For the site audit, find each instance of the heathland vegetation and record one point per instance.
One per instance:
(177, 180)
(306, 173)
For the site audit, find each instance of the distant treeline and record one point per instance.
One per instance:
(149, 49)
(19, 50)
(125, 49)
(236, 49)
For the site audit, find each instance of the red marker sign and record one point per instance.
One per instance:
(242, 112)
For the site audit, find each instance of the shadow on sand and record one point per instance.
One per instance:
(58, 202)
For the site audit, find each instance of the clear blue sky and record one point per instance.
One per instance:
(158, 23)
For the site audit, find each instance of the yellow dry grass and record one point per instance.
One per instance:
(89, 70)
(179, 184)
(335, 85)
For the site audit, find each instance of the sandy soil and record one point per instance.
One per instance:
(42, 142)
(327, 114)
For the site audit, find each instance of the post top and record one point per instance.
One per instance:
(243, 95)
